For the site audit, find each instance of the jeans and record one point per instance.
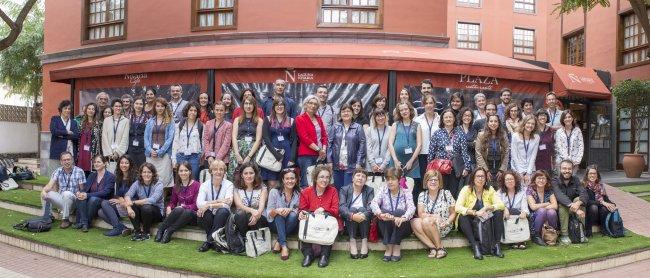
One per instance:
(193, 160)
(542, 216)
(110, 214)
(145, 217)
(211, 222)
(177, 219)
(63, 200)
(284, 226)
(596, 213)
(87, 209)
(564, 217)
(342, 178)
(303, 163)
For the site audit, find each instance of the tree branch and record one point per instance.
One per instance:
(17, 25)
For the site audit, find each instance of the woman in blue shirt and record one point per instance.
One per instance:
(115, 208)
(158, 138)
(347, 150)
(97, 189)
(144, 202)
(282, 210)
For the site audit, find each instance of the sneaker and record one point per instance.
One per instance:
(565, 240)
(125, 231)
(113, 232)
(145, 236)
(84, 228)
(137, 236)
(77, 226)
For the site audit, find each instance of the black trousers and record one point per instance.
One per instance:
(354, 228)
(211, 222)
(241, 220)
(177, 219)
(466, 223)
(391, 234)
(308, 250)
(595, 215)
(145, 217)
(450, 183)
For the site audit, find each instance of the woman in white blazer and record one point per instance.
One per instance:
(568, 140)
(523, 148)
(115, 133)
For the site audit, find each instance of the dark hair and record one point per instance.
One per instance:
(239, 181)
(130, 175)
(540, 112)
(152, 90)
(254, 116)
(502, 181)
(459, 96)
(442, 122)
(65, 153)
(376, 99)
(103, 158)
(322, 86)
(63, 104)
(154, 173)
(177, 177)
(353, 102)
(187, 107)
(490, 102)
(344, 107)
(84, 117)
(472, 177)
(527, 100)
(505, 90)
(563, 116)
(427, 81)
(566, 160)
(241, 96)
(550, 93)
(510, 106)
(117, 100)
(284, 172)
(462, 112)
(486, 133)
(537, 174)
(273, 119)
(207, 105)
(359, 170)
(393, 173)
(585, 180)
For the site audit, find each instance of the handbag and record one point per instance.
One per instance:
(266, 159)
(318, 229)
(441, 165)
(515, 230)
(549, 235)
(373, 234)
(112, 165)
(258, 242)
(377, 181)
(8, 184)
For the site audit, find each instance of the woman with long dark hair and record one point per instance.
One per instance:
(187, 146)
(144, 202)
(97, 189)
(139, 120)
(115, 208)
(492, 149)
(357, 112)
(90, 141)
(282, 210)
(181, 210)
(246, 135)
(205, 108)
(158, 138)
(599, 204)
(279, 134)
(250, 199)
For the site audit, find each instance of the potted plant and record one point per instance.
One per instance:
(633, 98)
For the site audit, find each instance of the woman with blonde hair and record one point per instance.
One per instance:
(523, 148)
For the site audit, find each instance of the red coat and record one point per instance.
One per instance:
(328, 201)
(307, 134)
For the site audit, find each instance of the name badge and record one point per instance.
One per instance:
(135, 143)
(542, 147)
(187, 153)
(449, 148)
(86, 148)
(156, 146)
(280, 138)
(114, 146)
(379, 160)
(248, 139)
(408, 151)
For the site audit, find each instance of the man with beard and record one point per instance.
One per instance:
(506, 97)
(571, 197)
(490, 109)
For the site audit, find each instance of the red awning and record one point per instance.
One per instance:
(578, 81)
(309, 56)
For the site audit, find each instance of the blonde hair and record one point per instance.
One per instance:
(167, 114)
(522, 125)
(216, 163)
(432, 174)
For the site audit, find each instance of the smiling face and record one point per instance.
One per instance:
(540, 182)
(346, 115)
(380, 119)
(356, 108)
(184, 173)
(592, 175)
(192, 113)
(568, 120)
(490, 109)
(429, 104)
(160, 109)
(426, 88)
(149, 96)
(514, 113)
(248, 106)
(323, 179)
(280, 85)
(248, 176)
(505, 97)
(66, 161)
(226, 99)
(480, 102)
(117, 109)
(279, 108)
(219, 112)
(311, 106)
(566, 169)
(126, 103)
(102, 100)
(203, 99)
(393, 183)
(138, 105)
(91, 110)
(125, 165)
(218, 171)
(528, 108)
(359, 179)
(175, 91)
(146, 175)
(480, 178)
(529, 126)
(404, 96)
(542, 119)
(456, 103)
(381, 103)
(322, 94)
(98, 164)
(467, 117)
(510, 181)
(108, 112)
(433, 184)
(289, 180)
(65, 111)
(448, 119)
(551, 101)
(493, 123)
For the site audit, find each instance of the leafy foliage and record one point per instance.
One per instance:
(633, 97)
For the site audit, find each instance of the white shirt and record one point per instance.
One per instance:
(186, 145)
(206, 190)
(523, 153)
(428, 128)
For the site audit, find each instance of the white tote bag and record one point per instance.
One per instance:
(8, 184)
(266, 160)
(376, 182)
(258, 242)
(516, 230)
(318, 229)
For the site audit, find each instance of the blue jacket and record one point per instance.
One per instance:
(60, 136)
(104, 189)
(166, 148)
(356, 145)
(290, 106)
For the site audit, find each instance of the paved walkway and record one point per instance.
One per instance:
(629, 270)
(20, 263)
(633, 210)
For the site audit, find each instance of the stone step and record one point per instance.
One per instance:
(29, 186)
(33, 161)
(194, 233)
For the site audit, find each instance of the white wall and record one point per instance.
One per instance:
(18, 137)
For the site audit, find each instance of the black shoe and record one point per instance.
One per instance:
(159, 235)
(167, 236)
(539, 241)
(137, 236)
(396, 258)
(354, 256)
(205, 246)
(477, 252)
(77, 226)
(363, 256)
(306, 262)
(386, 258)
(84, 228)
(324, 261)
(497, 250)
(145, 236)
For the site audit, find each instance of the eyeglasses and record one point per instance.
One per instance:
(479, 176)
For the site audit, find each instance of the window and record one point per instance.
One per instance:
(574, 49)
(105, 20)
(213, 14)
(469, 3)
(634, 48)
(468, 35)
(350, 13)
(524, 6)
(524, 41)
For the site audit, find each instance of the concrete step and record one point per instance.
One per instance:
(28, 161)
(196, 234)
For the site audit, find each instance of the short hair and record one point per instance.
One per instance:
(563, 116)
(216, 163)
(540, 112)
(527, 100)
(427, 81)
(64, 153)
(376, 112)
(551, 93)
(176, 85)
(241, 96)
(239, 181)
(479, 95)
(127, 96)
(344, 107)
(64, 104)
(117, 100)
(218, 103)
(103, 158)
(279, 79)
(187, 107)
(101, 94)
(359, 171)
(376, 99)
(505, 90)
(432, 174)
(502, 181)
(509, 107)
(322, 86)
(154, 173)
(319, 168)
(442, 122)
(566, 160)
(393, 173)
(491, 103)
(398, 117)
(539, 173)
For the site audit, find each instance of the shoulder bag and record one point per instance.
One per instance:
(266, 160)
(515, 230)
(258, 242)
(318, 229)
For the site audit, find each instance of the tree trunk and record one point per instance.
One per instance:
(641, 11)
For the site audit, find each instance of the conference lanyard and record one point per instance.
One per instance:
(433, 208)
(218, 191)
(188, 133)
(250, 199)
(68, 180)
(390, 200)
(568, 141)
(526, 145)
(407, 133)
(430, 124)
(381, 138)
(115, 126)
(148, 192)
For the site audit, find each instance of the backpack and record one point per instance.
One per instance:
(228, 239)
(35, 225)
(485, 234)
(576, 230)
(613, 225)
(3, 173)
(20, 173)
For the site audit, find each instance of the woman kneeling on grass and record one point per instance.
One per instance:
(181, 209)
(436, 214)
(147, 208)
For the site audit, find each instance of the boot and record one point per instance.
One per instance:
(306, 262)
(477, 252)
(497, 250)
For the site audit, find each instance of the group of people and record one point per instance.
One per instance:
(122, 160)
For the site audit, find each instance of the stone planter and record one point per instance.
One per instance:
(633, 164)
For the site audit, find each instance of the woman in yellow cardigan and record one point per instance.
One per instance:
(478, 202)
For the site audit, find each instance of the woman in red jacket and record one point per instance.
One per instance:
(319, 198)
(312, 137)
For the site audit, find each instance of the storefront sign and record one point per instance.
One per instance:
(293, 76)
(580, 79)
(478, 82)
(135, 78)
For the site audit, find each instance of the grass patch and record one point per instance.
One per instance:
(182, 255)
(39, 180)
(635, 188)
(19, 196)
(646, 198)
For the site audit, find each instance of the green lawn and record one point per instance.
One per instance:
(634, 189)
(26, 197)
(40, 180)
(181, 254)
